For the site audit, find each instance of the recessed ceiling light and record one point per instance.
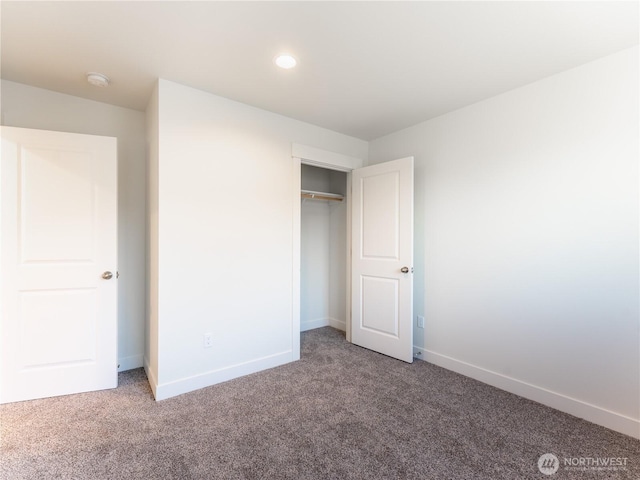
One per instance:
(284, 60)
(97, 79)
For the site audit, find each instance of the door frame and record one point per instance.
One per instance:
(303, 154)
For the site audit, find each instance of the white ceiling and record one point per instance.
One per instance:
(365, 69)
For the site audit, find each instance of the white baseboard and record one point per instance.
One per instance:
(206, 379)
(600, 416)
(311, 324)
(151, 378)
(129, 363)
(339, 324)
(323, 322)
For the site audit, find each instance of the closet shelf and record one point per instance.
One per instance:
(321, 195)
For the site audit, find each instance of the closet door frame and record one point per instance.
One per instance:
(302, 154)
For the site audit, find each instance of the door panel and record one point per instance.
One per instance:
(380, 305)
(43, 313)
(382, 239)
(380, 213)
(44, 207)
(59, 233)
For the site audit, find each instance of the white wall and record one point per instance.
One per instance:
(338, 253)
(151, 325)
(315, 247)
(30, 107)
(225, 235)
(315, 244)
(527, 239)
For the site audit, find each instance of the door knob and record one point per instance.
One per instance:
(107, 275)
(404, 269)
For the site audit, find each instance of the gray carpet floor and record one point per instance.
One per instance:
(341, 412)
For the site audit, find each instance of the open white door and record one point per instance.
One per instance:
(382, 258)
(58, 261)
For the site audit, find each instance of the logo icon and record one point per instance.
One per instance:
(548, 464)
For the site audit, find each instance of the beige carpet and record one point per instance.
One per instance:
(342, 412)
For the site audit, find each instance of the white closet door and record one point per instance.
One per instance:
(58, 262)
(382, 258)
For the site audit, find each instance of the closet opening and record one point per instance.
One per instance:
(323, 248)
(321, 241)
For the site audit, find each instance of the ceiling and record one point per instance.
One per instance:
(365, 69)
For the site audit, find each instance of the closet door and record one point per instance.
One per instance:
(58, 260)
(382, 258)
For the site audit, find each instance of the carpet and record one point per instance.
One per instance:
(341, 412)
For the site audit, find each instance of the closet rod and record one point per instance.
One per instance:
(321, 195)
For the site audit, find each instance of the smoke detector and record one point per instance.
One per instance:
(97, 79)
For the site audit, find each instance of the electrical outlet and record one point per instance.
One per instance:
(420, 321)
(208, 340)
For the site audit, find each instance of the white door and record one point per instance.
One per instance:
(382, 258)
(58, 214)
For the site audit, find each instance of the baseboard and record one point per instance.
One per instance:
(323, 322)
(339, 324)
(151, 378)
(196, 382)
(129, 363)
(311, 324)
(600, 416)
